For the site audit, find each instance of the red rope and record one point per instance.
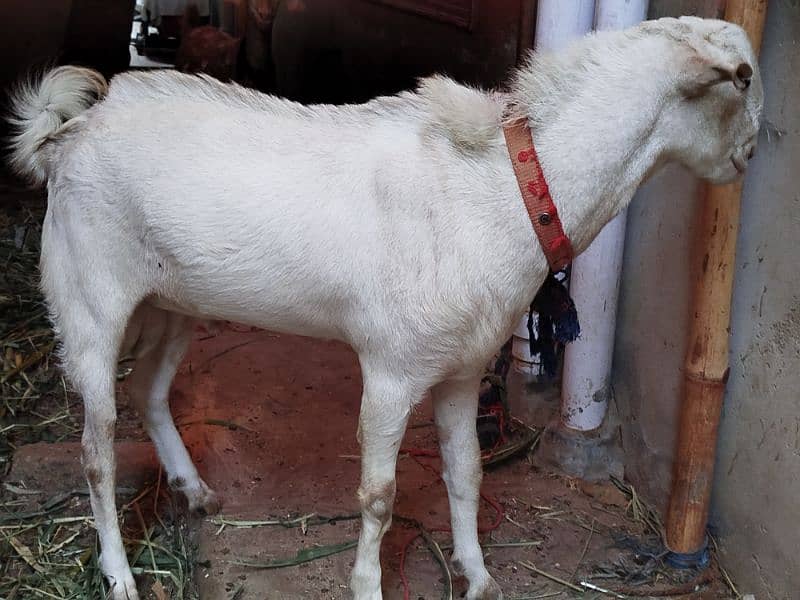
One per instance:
(403, 552)
(498, 517)
(416, 453)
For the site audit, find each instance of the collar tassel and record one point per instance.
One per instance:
(557, 323)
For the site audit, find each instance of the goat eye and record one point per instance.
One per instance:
(744, 72)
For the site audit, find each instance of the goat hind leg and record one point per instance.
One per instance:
(91, 341)
(149, 387)
(455, 406)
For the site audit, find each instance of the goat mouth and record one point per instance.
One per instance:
(739, 164)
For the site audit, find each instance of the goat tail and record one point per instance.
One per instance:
(39, 108)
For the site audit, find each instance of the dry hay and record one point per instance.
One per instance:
(48, 544)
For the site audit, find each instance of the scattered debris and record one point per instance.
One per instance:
(52, 551)
(597, 588)
(303, 556)
(550, 576)
(230, 425)
(640, 510)
(303, 521)
(35, 402)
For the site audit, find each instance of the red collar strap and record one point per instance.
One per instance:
(536, 195)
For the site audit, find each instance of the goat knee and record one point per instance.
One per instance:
(377, 502)
(376, 511)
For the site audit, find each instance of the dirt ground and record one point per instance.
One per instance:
(271, 422)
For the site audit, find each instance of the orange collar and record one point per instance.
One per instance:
(536, 196)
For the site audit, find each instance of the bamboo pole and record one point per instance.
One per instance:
(706, 367)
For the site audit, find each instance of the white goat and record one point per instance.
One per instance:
(396, 226)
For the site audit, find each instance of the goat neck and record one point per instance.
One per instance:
(596, 128)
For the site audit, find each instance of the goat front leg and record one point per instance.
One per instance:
(455, 405)
(384, 414)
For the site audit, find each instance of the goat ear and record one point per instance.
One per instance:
(707, 74)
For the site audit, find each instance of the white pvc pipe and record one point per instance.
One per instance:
(594, 286)
(560, 21)
(619, 14)
(522, 360)
(557, 22)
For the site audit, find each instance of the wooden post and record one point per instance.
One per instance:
(706, 367)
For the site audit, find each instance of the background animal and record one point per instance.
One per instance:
(207, 49)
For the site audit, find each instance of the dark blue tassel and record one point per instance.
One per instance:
(557, 323)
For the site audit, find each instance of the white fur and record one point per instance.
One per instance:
(395, 226)
(43, 107)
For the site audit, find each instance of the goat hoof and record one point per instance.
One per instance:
(203, 501)
(122, 588)
(121, 585)
(486, 590)
(457, 567)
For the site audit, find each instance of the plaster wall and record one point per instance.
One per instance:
(755, 509)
